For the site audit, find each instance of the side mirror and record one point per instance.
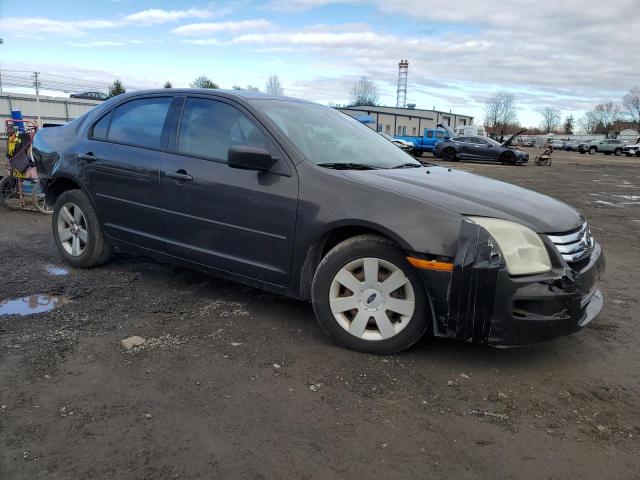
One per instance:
(250, 158)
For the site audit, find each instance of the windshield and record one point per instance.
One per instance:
(493, 142)
(327, 136)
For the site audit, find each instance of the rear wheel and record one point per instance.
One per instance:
(10, 193)
(77, 231)
(368, 298)
(449, 154)
(617, 152)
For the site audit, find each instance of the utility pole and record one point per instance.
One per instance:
(37, 85)
(1, 42)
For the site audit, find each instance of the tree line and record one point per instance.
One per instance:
(272, 86)
(500, 115)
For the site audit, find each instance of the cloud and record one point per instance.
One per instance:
(302, 5)
(155, 16)
(105, 43)
(196, 29)
(29, 26)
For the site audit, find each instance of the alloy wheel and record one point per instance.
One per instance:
(72, 229)
(372, 299)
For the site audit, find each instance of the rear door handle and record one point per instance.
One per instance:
(181, 175)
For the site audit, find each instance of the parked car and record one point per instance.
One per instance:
(398, 142)
(631, 150)
(480, 148)
(606, 146)
(299, 199)
(571, 145)
(427, 142)
(557, 144)
(90, 96)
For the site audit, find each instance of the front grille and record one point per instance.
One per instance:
(575, 245)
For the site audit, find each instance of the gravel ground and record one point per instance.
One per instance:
(236, 383)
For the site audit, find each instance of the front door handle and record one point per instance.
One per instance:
(87, 157)
(181, 175)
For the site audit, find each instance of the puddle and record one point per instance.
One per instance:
(30, 305)
(57, 271)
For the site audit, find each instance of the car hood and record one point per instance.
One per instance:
(469, 194)
(512, 137)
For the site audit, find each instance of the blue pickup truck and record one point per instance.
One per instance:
(427, 142)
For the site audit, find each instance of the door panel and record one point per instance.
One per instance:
(239, 221)
(125, 179)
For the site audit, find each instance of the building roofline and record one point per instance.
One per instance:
(369, 107)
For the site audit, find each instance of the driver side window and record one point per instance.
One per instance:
(209, 128)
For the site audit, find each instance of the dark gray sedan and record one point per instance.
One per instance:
(302, 200)
(480, 149)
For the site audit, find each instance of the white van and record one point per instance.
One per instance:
(469, 131)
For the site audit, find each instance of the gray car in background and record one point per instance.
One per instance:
(480, 149)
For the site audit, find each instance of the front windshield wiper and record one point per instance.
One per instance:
(348, 166)
(408, 165)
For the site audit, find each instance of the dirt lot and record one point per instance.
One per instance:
(236, 383)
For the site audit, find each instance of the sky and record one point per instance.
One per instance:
(571, 54)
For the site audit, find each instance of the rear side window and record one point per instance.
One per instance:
(101, 128)
(139, 122)
(209, 128)
(429, 134)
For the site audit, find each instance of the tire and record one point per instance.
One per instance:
(9, 193)
(74, 214)
(617, 152)
(449, 154)
(508, 158)
(593, 150)
(638, 154)
(416, 153)
(38, 200)
(375, 328)
(582, 152)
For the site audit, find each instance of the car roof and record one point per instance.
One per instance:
(240, 94)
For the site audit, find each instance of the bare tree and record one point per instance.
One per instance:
(168, 84)
(364, 92)
(203, 82)
(500, 110)
(589, 122)
(550, 118)
(273, 86)
(631, 102)
(607, 114)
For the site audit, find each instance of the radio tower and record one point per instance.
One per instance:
(403, 71)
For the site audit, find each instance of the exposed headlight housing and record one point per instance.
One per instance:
(522, 249)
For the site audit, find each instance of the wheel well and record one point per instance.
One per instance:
(322, 246)
(55, 189)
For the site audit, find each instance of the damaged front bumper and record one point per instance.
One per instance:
(480, 302)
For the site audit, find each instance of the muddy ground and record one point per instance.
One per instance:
(234, 383)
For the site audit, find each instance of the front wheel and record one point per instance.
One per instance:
(508, 158)
(617, 152)
(416, 153)
(368, 298)
(593, 150)
(77, 231)
(449, 154)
